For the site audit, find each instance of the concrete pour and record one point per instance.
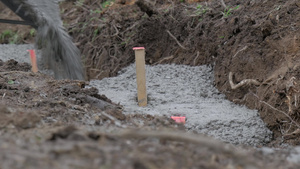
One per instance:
(59, 52)
(188, 91)
(20, 53)
(176, 90)
(180, 90)
(16, 52)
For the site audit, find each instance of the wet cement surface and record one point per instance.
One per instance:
(187, 91)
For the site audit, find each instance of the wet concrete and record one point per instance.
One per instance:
(188, 91)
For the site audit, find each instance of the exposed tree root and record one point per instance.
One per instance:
(175, 40)
(280, 111)
(292, 135)
(242, 83)
(164, 59)
(290, 92)
(194, 62)
(244, 48)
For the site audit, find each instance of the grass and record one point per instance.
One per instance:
(32, 32)
(227, 11)
(108, 3)
(96, 33)
(200, 10)
(79, 2)
(98, 11)
(8, 36)
(104, 5)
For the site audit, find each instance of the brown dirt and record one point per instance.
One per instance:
(270, 42)
(45, 123)
(255, 40)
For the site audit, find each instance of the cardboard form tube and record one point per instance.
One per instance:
(141, 75)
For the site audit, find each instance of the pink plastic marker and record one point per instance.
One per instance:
(33, 60)
(179, 119)
(138, 48)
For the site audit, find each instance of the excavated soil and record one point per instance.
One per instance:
(45, 123)
(261, 43)
(252, 42)
(253, 46)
